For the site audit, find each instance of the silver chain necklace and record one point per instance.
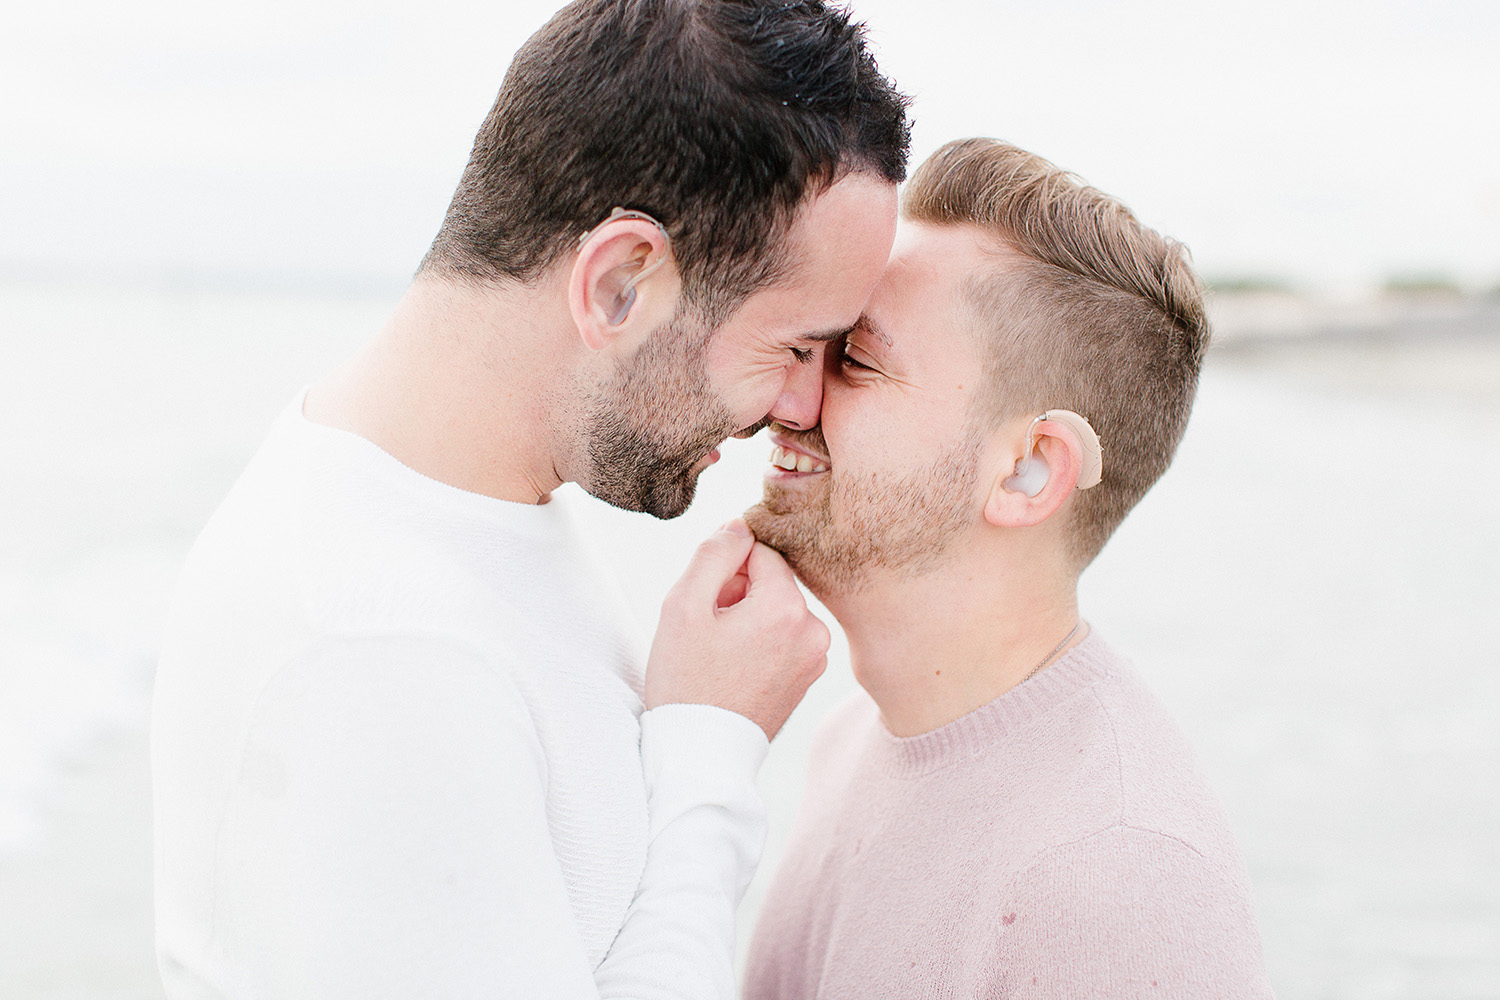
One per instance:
(1048, 658)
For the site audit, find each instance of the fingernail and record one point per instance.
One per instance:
(736, 526)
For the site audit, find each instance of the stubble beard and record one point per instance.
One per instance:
(836, 531)
(655, 419)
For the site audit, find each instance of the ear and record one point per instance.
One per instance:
(1058, 447)
(623, 284)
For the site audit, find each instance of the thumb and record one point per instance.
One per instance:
(768, 571)
(718, 559)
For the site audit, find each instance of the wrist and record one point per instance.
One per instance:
(697, 754)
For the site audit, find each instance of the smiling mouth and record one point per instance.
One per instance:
(790, 460)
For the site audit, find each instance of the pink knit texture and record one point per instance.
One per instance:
(1059, 842)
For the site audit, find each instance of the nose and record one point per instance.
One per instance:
(801, 398)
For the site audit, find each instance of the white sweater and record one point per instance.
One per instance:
(398, 751)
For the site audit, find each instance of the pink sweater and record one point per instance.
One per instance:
(1058, 843)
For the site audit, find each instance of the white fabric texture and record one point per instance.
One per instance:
(398, 751)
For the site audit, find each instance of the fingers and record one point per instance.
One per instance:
(719, 558)
(736, 632)
(769, 571)
(734, 591)
(820, 638)
(774, 587)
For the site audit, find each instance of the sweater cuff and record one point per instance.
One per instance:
(696, 755)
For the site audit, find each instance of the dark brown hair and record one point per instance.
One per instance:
(1103, 316)
(715, 116)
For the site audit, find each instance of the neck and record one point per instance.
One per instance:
(933, 648)
(456, 386)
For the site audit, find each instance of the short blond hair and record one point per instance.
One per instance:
(1105, 316)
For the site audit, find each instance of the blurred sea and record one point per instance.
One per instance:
(1312, 589)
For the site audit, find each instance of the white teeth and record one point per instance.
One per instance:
(791, 461)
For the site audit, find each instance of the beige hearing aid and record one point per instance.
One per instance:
(1031, 469)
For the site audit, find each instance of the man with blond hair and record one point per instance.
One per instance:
(1004, 810)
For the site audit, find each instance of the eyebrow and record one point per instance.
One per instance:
(866, 325)
(824, 336)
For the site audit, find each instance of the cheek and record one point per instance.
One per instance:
(852, 428)
(882, 433)
(745, 383)
(751, 397)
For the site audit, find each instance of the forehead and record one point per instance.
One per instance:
(918, 308)
(837, 247)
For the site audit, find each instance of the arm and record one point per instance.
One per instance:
(1128, 913)
(734, 652)
(707, 831)
(388, 836)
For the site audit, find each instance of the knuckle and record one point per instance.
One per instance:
(788, 614)
(713, 543)
(716, 546)
(822, 637)
(815, 667)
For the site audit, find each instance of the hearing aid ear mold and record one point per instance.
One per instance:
(627, 292)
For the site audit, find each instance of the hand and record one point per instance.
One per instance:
(735, 632)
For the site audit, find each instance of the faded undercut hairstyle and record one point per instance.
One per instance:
(1103, 316)
(716, 117)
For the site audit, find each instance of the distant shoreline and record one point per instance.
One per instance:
(1241, 317)
(1254, 319)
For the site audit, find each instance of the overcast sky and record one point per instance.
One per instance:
(1330, 142)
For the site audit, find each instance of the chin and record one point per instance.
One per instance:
(804, 540)
(667, 504)
(662, 494)
(777, 521)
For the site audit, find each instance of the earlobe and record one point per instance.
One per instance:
(1004, 506)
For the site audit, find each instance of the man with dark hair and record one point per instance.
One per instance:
(402, 746)
(1004, 810)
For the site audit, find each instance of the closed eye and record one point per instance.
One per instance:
(848, 360)
(802, 354)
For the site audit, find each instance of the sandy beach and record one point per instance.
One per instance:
(1315, 611)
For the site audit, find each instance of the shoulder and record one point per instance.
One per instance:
(1124, 907)
(1123, 863)
(1162, 784)
(1104, 754)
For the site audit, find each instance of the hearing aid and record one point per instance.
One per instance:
(627, 292)
(1031, 468)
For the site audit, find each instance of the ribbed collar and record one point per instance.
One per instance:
(997, 722)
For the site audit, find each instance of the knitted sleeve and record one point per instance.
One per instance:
(1130, 913)
(707, 831)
